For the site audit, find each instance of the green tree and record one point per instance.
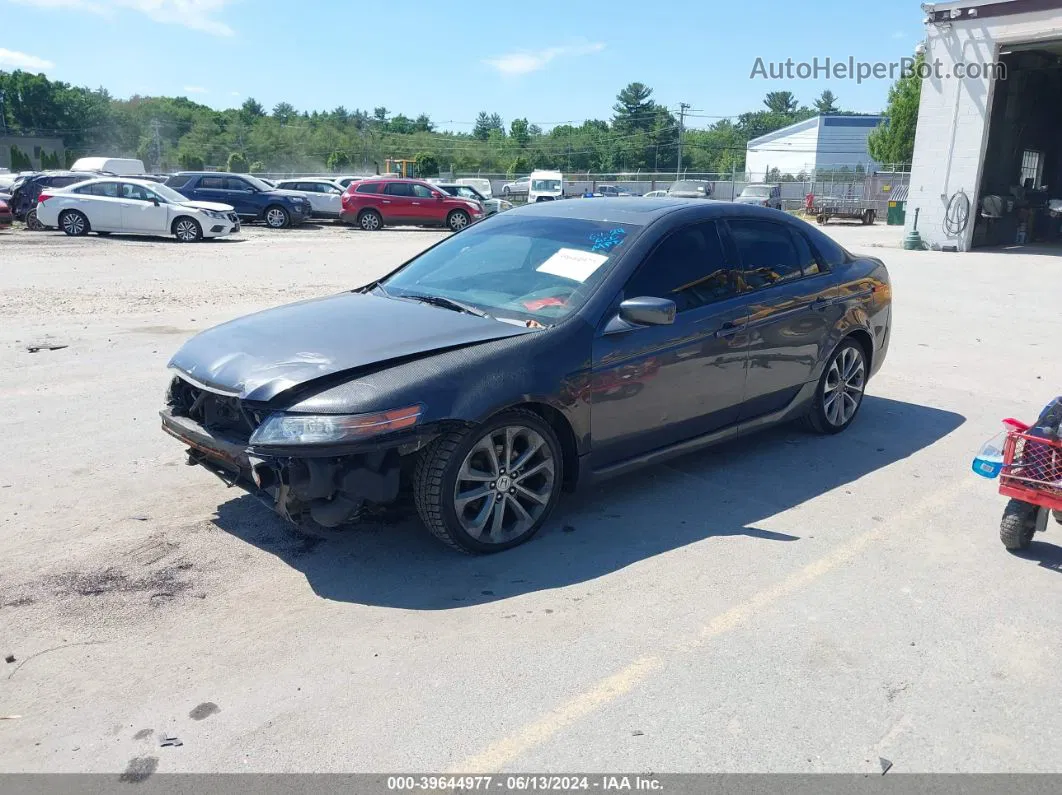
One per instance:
(519, 131)
(251, 109)
(893, 140)
(257, 166)
(426, 163)
(189, 161)
(826, 103)
(780, 102)
(284, 112)
(423, 124)
(521, 165)
(19, 160)
(237, 163)
(482, 127)
(338, 161)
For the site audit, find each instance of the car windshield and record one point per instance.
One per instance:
(545, 184)
(539, 269)
(757, 190)
(169, 194)
(463, 191)
(695, 187)
(258, 183)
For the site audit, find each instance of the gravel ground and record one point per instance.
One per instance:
(786, 604)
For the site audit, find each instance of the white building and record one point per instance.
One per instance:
(822, 142)
(989, 134)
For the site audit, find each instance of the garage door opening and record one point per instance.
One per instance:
(1022, 176)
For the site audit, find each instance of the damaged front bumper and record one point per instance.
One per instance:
(326, 485)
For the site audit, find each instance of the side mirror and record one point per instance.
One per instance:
(155, 200)
(642, 311)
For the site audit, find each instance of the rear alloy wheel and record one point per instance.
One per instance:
(277, 217)
(370, 220)
(187, 230)
(458, 220)
(840, 391)
(492, 488)
(74, 223)
(32, 222)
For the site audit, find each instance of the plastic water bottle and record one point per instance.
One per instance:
(988, 462)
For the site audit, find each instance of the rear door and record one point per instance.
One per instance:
(396, 203)
(208, 189)
(101, 205)
(654, 386)
(792, 308)
(141, 210)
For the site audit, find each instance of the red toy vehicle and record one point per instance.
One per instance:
(1032, 478)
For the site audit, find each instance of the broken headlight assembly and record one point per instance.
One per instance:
(280, 430)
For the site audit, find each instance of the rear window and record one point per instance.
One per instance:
(828, 251)
(368, 187)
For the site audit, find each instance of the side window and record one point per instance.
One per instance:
(829, 253)
(87, 190)
(332, 189)
(108, 189)
(62, 182)
(136, 192)
(808, 264)
(368, 187)
(422, 192)
(766, 253)
(688, 266)
(398, 189)
(235, 183)
(212, 183)
(178, 181)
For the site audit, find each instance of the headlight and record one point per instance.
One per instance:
(298, 429)
(216, 214)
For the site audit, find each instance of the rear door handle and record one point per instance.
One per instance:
(728, 329)
(821, 304)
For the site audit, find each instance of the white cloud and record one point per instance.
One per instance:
(234, 93)
(899, 35)
(21, 60)
(521, 63)
(194, 90)
(194, 14)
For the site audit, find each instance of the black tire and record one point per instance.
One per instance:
(370, 221)
(821, 417)
(32, 224)
(74, 223)
(821, 219)
(436, 477)
(187, 230)
(1018, 526)
(276, 217)
(505, 191)
(458, 220)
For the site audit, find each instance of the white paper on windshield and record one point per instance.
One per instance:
(571, 263)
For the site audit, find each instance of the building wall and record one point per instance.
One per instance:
(790, 154)
(953, 117)
(845, 144)
(32, 147)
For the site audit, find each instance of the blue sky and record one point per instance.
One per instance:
(564, 61)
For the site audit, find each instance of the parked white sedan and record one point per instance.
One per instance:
(326, 196)
(135, 206)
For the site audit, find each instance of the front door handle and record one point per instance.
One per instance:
(821, 304)
(385, 202)
(417, 204)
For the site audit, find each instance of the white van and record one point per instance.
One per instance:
(480, 184)
(119, 166)
(545, 186)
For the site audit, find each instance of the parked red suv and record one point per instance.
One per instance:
(373, 203)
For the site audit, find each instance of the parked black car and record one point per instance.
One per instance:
(691, 189)
(26, 189)
(253, 199)
(536, 351)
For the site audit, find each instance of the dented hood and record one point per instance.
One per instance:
(259, 356)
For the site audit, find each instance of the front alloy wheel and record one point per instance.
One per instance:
(276, 217)
(458, 220)
(840, 391)
(493, 488)
(186, 230)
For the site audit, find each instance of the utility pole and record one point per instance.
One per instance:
(683, 107)
(156, 145)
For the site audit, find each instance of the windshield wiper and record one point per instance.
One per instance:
(447, 303)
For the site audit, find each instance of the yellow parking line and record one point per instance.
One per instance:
(539, 731)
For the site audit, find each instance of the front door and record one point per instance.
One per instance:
(426, 208)
(792, 308)
(396, 204)
(653, 386)
(142, 211)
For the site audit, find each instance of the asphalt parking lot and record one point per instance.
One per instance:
(786, 603)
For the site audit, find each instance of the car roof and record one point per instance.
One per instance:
(638, 210)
